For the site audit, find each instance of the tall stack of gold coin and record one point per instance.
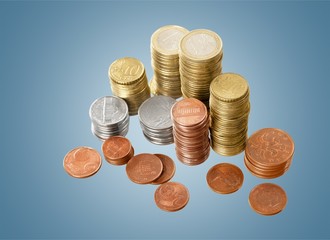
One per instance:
(229, 110)
(164, 49)
(129, 81)
(200, 55)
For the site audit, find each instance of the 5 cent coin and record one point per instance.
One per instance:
(82, 162)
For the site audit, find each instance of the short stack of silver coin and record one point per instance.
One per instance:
(109, 117)
(155, 119)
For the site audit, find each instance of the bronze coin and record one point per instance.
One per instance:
(225, 178)
(269, 147)
(171, 196)
(188, 112)
(168, 169)
(144, 168)
(267, 199)
(82, 162)
(117, 150)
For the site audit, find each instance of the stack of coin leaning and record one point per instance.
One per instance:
(109, 117)
(229, 110)
(191, 131)
(129, 81)
(200, 62)
(269, 153)
(155, 119)
(164, 49)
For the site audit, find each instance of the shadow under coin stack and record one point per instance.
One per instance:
(129, 81)
(155, 119)
(165, 60)
(229, 110)
(191, 131)
(269, 153)
(200, 62)
(109, 117)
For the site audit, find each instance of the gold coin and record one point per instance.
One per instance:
(126, 70)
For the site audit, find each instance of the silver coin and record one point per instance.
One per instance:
(155, 112)
(109, 117)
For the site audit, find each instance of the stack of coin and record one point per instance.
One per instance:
(109, 117)
(155, 119)
(191, 131)
(117, 150)
(230, 108)
(200, 62)
(269, 153)
(165, 60)
(129, 81)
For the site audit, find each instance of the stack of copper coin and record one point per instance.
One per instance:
(200, 62)
(165, 60)
(230, 108)
(129, 81)
(155, 119)
(269, 153)
(117, 150)
(191, 131)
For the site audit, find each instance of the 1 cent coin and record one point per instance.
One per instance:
(171, 196)
(117, 150)
(168, 169)
(82, 162)
(225, 178)
(267, 199)
(144, 168)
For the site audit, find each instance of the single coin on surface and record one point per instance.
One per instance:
(144, 168)
(225, 178)
(168, 169)
(267, 199)
(171, 196)
(82, 162)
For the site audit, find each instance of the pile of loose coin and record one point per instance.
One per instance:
(155, 119)
(164, 48)
(191, 131)
(189, 64)
(129, 81)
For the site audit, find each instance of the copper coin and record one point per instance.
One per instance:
(168, 169)
(117, 150)
(171, 196)
(269, 147)
(144, 168)
(267, 199)
(188, 112)
(225, 178)
(82, 162)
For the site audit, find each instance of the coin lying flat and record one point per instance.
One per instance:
(82, 162)
(168, 169)
(171, 196)
(225, 178)
(267, 199)
(144, 168)
(117, 150)
(269, 153)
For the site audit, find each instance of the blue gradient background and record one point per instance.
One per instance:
(54, 61)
